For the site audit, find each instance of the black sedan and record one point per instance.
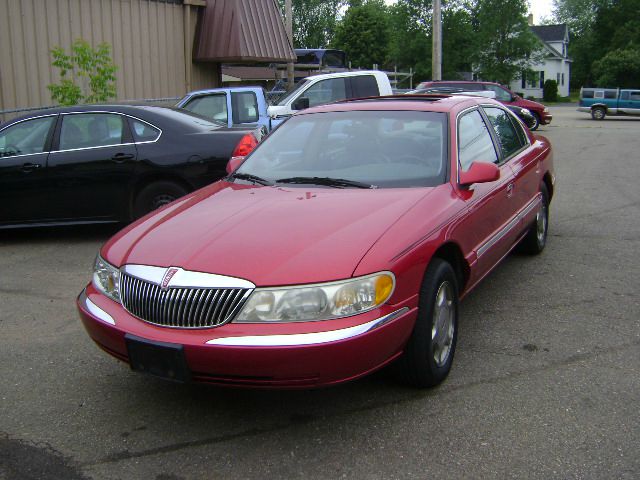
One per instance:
(109, 163)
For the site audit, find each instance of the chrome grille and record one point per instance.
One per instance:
(180, 307)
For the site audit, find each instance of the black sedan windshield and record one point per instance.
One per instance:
(381, 149)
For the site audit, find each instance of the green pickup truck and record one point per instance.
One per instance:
(601, 102)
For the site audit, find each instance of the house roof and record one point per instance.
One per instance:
(550, 33)
(242, 31)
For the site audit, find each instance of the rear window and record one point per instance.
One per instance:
(388, 149)
(364, 86)
(587, 94)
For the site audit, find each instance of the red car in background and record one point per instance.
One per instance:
(342, 243)
(503, 94)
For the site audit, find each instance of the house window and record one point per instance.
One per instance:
(562, 77)
(541, 78)
(558, 78)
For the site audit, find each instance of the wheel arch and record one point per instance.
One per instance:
(549, 184)
(452, 253)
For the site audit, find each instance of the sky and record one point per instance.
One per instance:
(540, 9)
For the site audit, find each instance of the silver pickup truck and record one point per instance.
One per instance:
(601, 102)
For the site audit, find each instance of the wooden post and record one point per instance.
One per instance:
(436, 60)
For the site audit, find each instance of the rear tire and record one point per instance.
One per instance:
(156, 195)
(598, 113)
(428, 356)
(536, 239)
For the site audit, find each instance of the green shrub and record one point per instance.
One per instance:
(550, 91)
(91, 71)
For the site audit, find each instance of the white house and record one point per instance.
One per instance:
(556, 66)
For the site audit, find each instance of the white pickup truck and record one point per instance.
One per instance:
(248, 105)
(331, 87)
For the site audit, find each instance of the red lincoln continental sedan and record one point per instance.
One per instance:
(342, 243)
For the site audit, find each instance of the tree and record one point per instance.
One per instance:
(314, 21)
(550, 91)
(600, 29)
(92, 68)
(618, 68)
(410, 37)
(363, 33)
(506, 45)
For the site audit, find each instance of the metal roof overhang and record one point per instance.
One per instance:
(242, 31)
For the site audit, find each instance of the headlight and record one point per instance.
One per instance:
(106, 278)
(318, 302)
(546, 110)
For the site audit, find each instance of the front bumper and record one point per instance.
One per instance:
(305, 354)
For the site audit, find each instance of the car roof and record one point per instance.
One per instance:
(429, 103)
(144, 112)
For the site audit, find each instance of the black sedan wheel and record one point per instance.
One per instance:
(156, 195)
(429, 353)
(536, 122)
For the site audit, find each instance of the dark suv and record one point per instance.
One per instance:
(503, 94)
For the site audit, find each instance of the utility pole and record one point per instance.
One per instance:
(436, 57)
(289, 27)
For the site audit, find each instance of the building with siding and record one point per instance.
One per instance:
(163, 48)
(556, 64)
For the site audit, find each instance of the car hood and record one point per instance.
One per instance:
(530, 105)
(267, 235)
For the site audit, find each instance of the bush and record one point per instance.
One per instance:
(92, 68)
(550, 91)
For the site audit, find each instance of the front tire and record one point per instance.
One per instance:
(428, 356)
(156, 195)
(598, 113)
(536, 239)
(536, 122)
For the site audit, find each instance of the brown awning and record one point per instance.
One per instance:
(242, 31)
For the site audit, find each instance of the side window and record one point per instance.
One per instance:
(143, 132)
(364, 86)
(326, 91)
(635, 96)
(624, 96)
(210, 106)
(474, 141)
(501, 94)
(510, 142)
(87, 130)
(26, 137)
(245, 107)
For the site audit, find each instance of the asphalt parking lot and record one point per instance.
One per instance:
(546, 381)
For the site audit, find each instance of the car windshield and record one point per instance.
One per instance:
(354, 149)
(286, 98)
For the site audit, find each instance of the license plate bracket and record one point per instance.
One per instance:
(160, 359)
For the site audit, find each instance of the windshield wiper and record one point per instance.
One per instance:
(328, 181)
(251, 178)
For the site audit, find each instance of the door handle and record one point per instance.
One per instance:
(509, 190)
(121, 157)
(30, 167)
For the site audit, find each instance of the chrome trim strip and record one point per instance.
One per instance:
(307, 338)
(95, 310)
(508, 227)
(185, 278)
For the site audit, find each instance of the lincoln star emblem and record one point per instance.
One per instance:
(168, 276)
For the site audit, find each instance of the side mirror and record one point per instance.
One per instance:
(480, 172)
(233, 164)
(300, 104)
